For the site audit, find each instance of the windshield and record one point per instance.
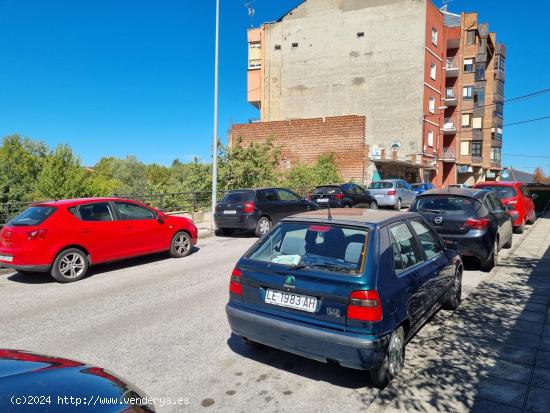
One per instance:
(447, 205)
(326, 190)
(33, 216)
(325, 247)
(238, 196)
(502, 192)
(417, 186)
(381, 185)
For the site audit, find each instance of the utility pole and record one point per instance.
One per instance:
(215, 134)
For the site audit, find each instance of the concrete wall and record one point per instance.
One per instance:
(333, 72)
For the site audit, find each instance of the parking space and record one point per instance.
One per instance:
(160, 322)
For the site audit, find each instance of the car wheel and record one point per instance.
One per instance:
(393, 361)
(455, 293)
(348, 206)
(532, 221)
(181, 245)
(70, 265)
(398, 205)
(263, 226)
(520, 229)
(374, 205)
(492, 260)
(508, 245)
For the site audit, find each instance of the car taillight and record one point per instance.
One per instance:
(365, 306)
(477, 223)
(37, 234)
(339, 196)
(235, 285)
(392, 192)
(248, 207)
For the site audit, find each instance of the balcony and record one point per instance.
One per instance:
(449, 126)
(451, 67)
(476, 159)
(449, 155)
(450, 97)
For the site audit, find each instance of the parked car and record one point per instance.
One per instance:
(462, 186)
(396, 193)
(257, 209)
(343, 196)
(350, 290)
(517, 199)
(67, 237)
(35, 383)
(474, 218)
(422, 187)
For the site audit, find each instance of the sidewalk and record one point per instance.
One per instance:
(493, 353)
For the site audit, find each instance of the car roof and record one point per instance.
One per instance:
(353, 216)
(388, 180)
(465, 192)
(499, 183)
(80, 201)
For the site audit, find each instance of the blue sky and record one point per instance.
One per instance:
(136, 76)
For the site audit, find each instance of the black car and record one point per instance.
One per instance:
(257, 209)
(34, 383)
(474, 218)
(343, 196)
(349, 288)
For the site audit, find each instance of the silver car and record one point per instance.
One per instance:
(396, 193)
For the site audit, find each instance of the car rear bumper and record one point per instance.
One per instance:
(386, 200)
(479, 246)
(325, 345)
(330, 204)
(243, 221)
(25, 259)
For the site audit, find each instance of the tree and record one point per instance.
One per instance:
(129, 175)
(21, 161)
(540, 177)
(304, 177)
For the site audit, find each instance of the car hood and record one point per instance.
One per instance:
(24, 374)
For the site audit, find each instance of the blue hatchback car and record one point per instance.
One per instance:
(422, 187)
(351, 288)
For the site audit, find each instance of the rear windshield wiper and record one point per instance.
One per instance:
(329, 266)
(433, 211)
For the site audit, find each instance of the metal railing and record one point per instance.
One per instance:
(451, 63)
(450, 93)
(449, 123)
(449, 153)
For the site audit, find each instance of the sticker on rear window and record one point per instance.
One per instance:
(286, 259)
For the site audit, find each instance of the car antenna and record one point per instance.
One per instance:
(328, 211)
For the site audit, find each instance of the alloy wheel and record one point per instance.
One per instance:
(72, 265)
(264, 226)
(182, 244)
(374, 206)
(396, 355)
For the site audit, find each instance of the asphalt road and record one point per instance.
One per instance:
(160, 323)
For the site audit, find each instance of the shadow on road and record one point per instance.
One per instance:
(44, 277)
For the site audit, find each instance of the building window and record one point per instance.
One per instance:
(294, 44)
(469, 65)
(467, 92)
(254, 55)
(498, 110)
(496, 154)
(434, 36)
(464, 148)
(499, 62)
(471, 37)
(430, 138)
(431, 105)
(496, 133)
(476, 148)
(479, 97)
(433, 70)
(466, 120)
(477, 123)
(360, 34)
(277, 47)
(480, 72)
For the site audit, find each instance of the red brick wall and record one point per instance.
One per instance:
(305, 140)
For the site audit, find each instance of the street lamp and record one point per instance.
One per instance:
(215, 134)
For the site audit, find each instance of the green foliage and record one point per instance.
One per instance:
(304, 177)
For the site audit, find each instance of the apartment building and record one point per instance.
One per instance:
(400, 64)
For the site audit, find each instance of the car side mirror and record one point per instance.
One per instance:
(161, 217)
(451, 245)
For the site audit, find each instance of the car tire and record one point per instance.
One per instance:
(394, 360)
(398, 205)
(181, 245)
(263, 226)
(348, 206)
(70, 265)
(374, 205)
(532, 221)
(492, 259)
(520, 229)
(455, 293)
(508, 245)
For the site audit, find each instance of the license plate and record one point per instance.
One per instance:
(322, 200)
(291, 300)
(230, 212)
(7, 258)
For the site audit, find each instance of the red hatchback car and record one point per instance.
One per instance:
(516, 198)
(66, 237)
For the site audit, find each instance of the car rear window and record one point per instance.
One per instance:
(321, 247)
(327, 190)
(34, 215)
(502, 192)
(238, 196)
(418, 186)
(447, 204)
(381, 185)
